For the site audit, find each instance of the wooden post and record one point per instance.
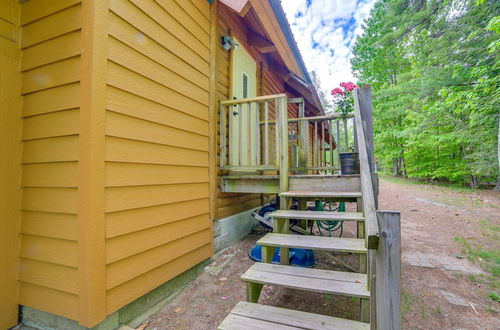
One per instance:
(91, 168)
(268, 253)
(283, 119)
(364, 99)
(372, 287)
(303, 139)
(360, 231)
(388, 271)
(283, 141)
(337, 122)
(253, 291)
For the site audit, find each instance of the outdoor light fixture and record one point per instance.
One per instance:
(228, 43)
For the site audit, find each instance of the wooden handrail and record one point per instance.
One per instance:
(369, 206)
(313, 119)
(252, 99)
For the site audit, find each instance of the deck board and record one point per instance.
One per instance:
(317, 280)
(317, 215)
(246, 315)
(339, 244)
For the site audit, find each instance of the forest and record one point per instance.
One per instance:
(434, 71)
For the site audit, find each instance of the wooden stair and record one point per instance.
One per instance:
(321, 194)
(307, 279)
(353, 245)
(317, 215)
(249, 316)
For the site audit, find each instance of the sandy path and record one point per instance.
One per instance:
(440, 291)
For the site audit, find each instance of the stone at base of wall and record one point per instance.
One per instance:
(227, 231)
(230, 230)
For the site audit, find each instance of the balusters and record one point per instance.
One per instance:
(338, 141)
(277, 128)
(315, 151)
(257, 133)
(330, 130)
(346, 145)
(323, 158)
(248, 116)
(222, 135)
(240, 135)
(266, 131)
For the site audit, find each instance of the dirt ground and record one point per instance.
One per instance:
(449, 243)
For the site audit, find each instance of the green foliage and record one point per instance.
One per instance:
(495, 296)
(433, 66)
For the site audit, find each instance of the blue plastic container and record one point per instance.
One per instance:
(298, 257)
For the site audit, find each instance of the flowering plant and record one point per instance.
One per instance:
(343, 97)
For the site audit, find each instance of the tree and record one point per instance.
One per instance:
(325, 102)
(433, 66)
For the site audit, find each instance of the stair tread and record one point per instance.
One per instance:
(246, 316)
(309, 279)
(340, 244)
(321, 194)
(317, 215)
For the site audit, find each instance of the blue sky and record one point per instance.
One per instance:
(325, 31)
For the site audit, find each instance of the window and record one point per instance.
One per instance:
(245, 86)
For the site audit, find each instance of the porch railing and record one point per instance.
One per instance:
(257, 133)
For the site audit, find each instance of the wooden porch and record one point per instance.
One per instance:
(297, 158)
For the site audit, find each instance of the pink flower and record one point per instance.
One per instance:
(337, 91)
(349, 87)
(343, 84)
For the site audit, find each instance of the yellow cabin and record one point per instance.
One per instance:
(136, 138)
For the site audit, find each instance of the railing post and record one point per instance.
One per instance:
(283, 141)
(363, 98)
(303, 140)
(388, 271)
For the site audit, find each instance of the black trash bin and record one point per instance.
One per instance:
(349, 162)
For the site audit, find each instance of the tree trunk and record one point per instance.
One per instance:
(395, 166)
(497, 186)
(473, 181)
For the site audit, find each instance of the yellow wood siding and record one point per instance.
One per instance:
(229, 204)
(50, 72)
(10, 154)
(157, 185)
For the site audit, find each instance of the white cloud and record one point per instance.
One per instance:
(325, 31)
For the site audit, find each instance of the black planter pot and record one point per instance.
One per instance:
(349, 162)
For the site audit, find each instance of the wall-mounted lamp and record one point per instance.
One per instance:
(228, 43)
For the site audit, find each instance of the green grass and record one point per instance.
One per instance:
(412, 181)
(489, 260)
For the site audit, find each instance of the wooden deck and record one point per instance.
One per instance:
(270, 184)
(248, 316)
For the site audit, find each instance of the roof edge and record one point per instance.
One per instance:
(287, 31)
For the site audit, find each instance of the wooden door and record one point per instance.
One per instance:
(244, 119)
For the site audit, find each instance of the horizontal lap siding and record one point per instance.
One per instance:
(229, 204)
(157, 221)
(50, 69)
(10, 128)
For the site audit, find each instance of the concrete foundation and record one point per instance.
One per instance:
(230, 230)
(227, 231)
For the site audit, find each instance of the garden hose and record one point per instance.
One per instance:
(329, 225)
